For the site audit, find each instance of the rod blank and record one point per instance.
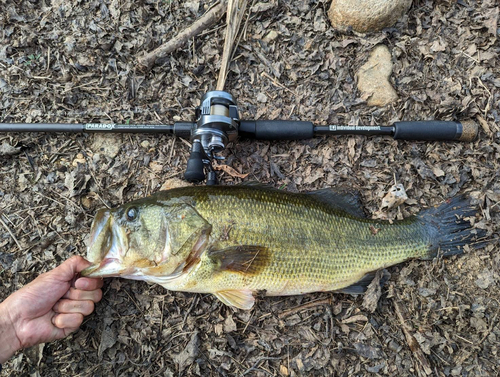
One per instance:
(275, 129)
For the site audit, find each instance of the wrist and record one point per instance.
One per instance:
(9, 343)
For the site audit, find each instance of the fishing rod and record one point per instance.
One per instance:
(218, 123)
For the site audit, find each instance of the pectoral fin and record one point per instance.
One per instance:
(242, 299)
(245, 259)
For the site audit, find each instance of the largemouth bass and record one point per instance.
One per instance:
(234, 241)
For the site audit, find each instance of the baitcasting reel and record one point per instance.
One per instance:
(216, 125)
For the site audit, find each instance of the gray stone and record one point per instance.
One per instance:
(366, 15)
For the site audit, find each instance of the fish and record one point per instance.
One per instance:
(240, 241)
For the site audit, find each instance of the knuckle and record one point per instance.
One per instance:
(89, 307)
(77, 294)
(65, 306)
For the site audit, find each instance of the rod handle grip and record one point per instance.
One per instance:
(276, 129)
(435, 130)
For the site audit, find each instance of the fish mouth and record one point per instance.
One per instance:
(108, 245)
(109, 267)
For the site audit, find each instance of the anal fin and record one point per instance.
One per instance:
(239, 298)
(360, 286)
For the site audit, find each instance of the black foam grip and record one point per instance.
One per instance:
(195, 167)
(276, 129)
(183, 129)
(428, 130)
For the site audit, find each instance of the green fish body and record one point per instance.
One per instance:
(234, 241)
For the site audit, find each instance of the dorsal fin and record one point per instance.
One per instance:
(246, 259)
(342, 199)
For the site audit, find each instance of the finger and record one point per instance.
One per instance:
(88, 284)
(73, 306)
(80, 295)
(70, 321)
(68, 269)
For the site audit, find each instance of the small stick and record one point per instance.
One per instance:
(147, 61)
(277, 83)
(11, 234)
(410, 339)
(311, 304)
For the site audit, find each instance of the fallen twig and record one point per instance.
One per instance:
(12, 235)
(410, 339)
(309, 305)
(147, 61)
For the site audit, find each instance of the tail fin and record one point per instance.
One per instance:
(451, 227)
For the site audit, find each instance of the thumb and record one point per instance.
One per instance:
(68, 269)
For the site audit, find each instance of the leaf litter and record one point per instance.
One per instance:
(74, 62)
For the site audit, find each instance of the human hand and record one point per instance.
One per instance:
(49, 308)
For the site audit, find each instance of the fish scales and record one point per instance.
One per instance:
(312, 245)
(234, 241)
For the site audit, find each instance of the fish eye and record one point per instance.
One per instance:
(132, 213)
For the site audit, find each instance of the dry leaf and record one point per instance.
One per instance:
(231, 171)
(395, 197)
(174, 183)
(283, 370)
(156, 166)
(355, 318)
(8, 150)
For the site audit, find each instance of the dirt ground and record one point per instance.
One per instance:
(73, 61)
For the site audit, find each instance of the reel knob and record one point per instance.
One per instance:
(195, 170)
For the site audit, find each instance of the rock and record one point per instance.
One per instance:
(373, 78)
(366, 15)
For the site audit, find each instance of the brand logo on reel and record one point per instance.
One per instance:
(99, 126)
